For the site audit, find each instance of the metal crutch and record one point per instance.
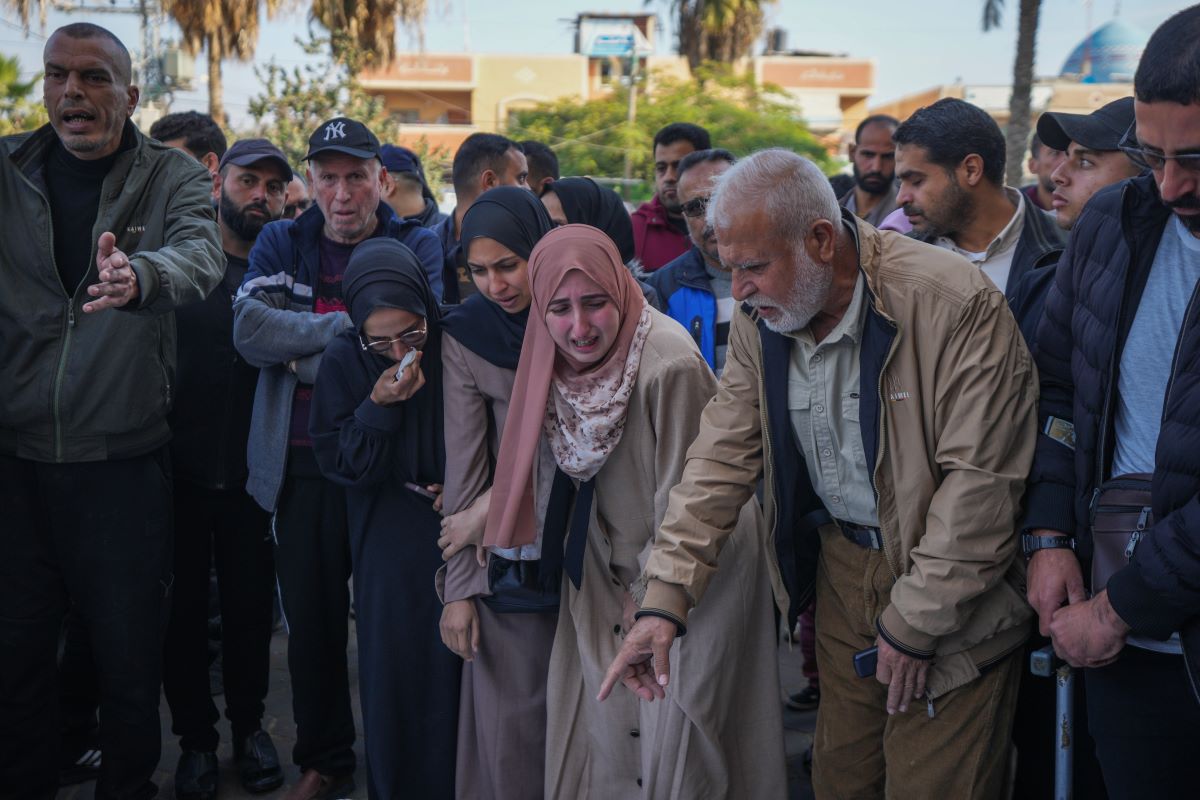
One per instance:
(1043, 662)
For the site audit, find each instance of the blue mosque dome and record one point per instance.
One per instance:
(1108, 55)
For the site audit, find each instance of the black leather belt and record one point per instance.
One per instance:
(861, 535)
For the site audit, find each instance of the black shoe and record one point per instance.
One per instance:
(805, 700)
(258, 762)
(81, 766)
(196, 775)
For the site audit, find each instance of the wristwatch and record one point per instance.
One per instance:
(1030, 544)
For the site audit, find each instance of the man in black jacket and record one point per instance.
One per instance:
(950, 163)
(1119, 351)
(105, 232)
(216, 521)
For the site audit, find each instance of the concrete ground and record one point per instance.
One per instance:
(798, 730)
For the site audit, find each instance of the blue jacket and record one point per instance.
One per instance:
(1088, 313)
(274, 323)
(685, 294)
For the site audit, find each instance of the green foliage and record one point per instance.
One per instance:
(592, 138)
(293, 103)
(18, 111)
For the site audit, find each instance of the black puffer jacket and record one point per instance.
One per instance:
(1089, 310)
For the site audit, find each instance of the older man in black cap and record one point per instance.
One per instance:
(216, 521)
(405, 188)
(289, 307)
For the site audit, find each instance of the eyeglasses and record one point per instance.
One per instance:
(1155, 162)
(413, 338)
(695, 208)
(289, 211)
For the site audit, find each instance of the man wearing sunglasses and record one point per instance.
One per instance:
(1119, 350)
(694, 289)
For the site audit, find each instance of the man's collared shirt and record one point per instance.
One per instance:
(876, 215)
(823, 397)
(996, 261)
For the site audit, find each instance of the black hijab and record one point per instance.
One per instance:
(587, 202)
(383, 273)
(515, 218)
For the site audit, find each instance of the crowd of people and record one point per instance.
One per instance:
(572, 470)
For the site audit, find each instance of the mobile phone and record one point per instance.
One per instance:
(409, 358)
(421, 490)
(864, 662)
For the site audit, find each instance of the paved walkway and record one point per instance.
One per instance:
(278, 722)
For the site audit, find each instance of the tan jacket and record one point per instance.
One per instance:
(957, 397)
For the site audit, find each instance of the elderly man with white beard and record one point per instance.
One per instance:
(882, 391)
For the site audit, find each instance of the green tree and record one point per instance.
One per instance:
(717, 30)
(1021, 102)
(294, 102)
(18, 111)
(223, 29)
(592, 138)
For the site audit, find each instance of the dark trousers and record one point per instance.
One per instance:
(96, 536)
(1146, 723)
(226, 528)
(78, 694)
(312, 561)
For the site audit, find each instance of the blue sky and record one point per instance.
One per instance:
(916, 44)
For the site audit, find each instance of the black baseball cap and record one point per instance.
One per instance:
(343, 135)
(1100, 130)
(246, 152)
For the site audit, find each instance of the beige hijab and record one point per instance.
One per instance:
(580, 408)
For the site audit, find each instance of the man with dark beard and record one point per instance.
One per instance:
(950, 162)
(873, 156)
(216, 521)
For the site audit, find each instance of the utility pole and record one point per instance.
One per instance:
(631, 114)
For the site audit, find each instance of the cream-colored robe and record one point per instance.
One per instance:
(719, 733)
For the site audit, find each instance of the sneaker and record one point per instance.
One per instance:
(82, 767)
(806, 700)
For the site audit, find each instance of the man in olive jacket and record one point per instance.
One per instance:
(882, 390)
(104, 233)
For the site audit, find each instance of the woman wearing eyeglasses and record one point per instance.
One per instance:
(500, 610)
(376, 426)
(614, 391)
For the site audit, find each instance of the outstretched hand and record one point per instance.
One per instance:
(118, 284)
(643, 663)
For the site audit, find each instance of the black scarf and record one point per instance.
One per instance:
(515, 218)
(383, 273)
(587, 202)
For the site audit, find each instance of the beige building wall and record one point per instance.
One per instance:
(509, 83)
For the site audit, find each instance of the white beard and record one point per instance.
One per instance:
(808, 295)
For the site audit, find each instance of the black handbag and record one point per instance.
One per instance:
(520, 587)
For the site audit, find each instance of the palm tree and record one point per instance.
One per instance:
(222, 28)
(1019, 106)
(370, 25)
(24, 8)
(717, 30)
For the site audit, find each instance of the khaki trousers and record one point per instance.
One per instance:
(860, 751)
